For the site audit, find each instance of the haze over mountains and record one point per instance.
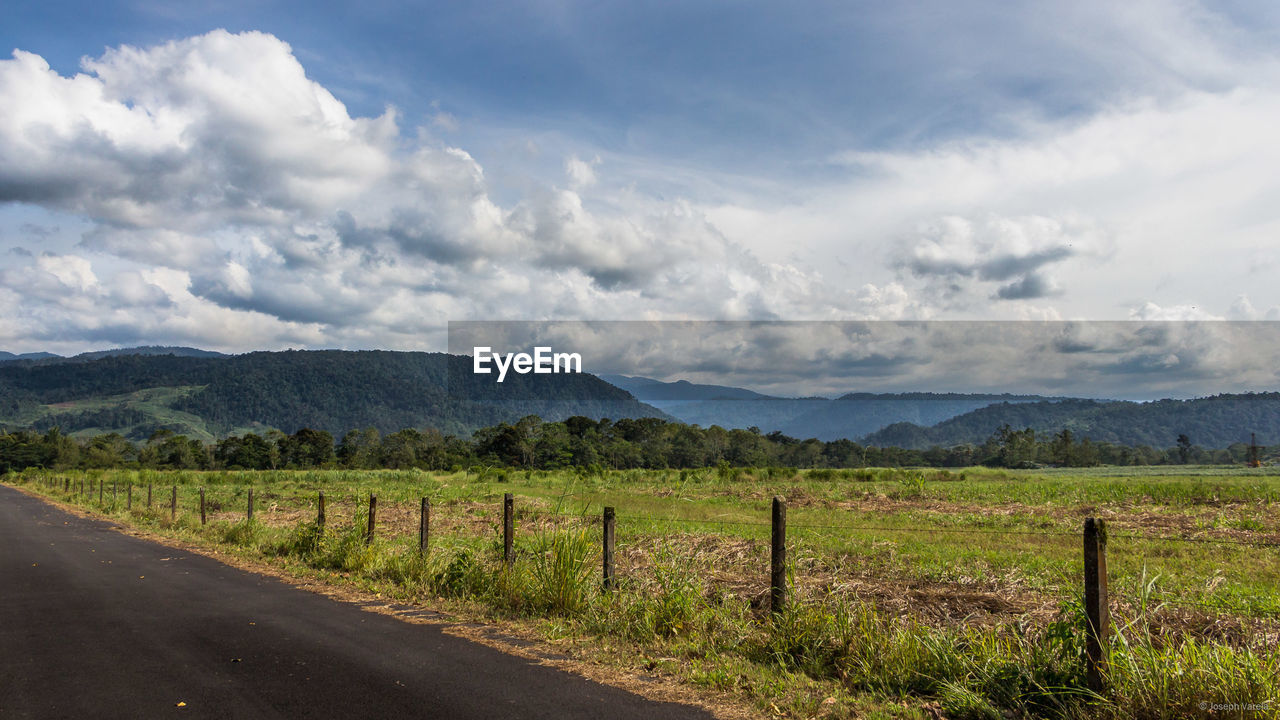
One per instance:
(136, 391)
(93, 355)
(849, 416)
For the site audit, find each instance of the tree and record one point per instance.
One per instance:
(1184, 448)
(361, 449)
(307, 448)
(1016, 448)
(1060, 448)
(248, 452)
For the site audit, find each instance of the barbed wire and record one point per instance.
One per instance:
(218, 494)
(1206, 541)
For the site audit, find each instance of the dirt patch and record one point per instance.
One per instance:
(1171, 624)
(1198, 524)
(736, 567)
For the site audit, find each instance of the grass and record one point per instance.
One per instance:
(914, 592)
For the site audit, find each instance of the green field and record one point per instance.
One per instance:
(914, 592)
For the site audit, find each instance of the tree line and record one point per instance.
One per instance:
(644, 443)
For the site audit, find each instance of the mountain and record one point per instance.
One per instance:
(48, 357)
(849, 416)
(8, 356)
(649, 390)
(857, 414)
(1212, 422)
(149, 350)
(332, 390)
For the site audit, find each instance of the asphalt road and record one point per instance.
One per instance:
(98, 624)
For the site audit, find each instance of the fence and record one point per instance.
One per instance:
(1092, 584)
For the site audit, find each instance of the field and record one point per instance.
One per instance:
(914, 593)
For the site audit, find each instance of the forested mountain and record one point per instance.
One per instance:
(857, 414)
(1212, 422)
(211, 396)
(328, 390)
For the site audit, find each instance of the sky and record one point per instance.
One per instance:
(1138, 360)
(265, 175)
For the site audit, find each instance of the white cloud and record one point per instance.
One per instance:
(275, 217)
(1151, 311)
(581, 173)
(217, 158)
(1164, 201)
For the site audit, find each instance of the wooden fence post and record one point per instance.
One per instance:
(248, 515)
(320, 512)
(508, 528)
(128, 496)
(610, 523)
(203, 520)
(173, 504)
(778, 557)
(99, 491)
(148, 496)
(114, 487)
(66, 485)
(373, 513)
(424, 526)
(1095, 603)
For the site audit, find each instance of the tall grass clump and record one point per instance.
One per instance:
(670, 601)
(303, 541)
(972, 672)
(562, 570)
(246, 533)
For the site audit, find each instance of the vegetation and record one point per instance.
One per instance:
(329, 390)
(212, 397)
(891, 616)
(1212, 422)
(577, 441)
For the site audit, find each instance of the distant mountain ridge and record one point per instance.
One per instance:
(1213, 422)
(849, 416)
(178, 351)
(7, 356)
(680, 390)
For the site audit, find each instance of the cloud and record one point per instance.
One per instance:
(1149, 200)
(1029, 287)
(218, 164)
(1120, 359)
(581, 173)
(38, 231)
(218, 158)
(1152, 311)
(997, 249)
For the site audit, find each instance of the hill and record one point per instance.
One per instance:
(1211, 422)
(9, 357)
(680, 390)
(849, 416)
(332, 390)
(48, 357)
(150, 350)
